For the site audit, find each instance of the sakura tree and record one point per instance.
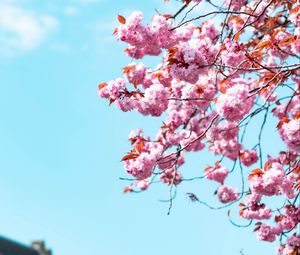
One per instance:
(220, 70)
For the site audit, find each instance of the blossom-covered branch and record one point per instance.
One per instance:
(216, 77)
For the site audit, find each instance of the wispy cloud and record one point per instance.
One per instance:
(22, 29)
(71, 10)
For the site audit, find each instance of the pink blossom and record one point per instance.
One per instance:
(290, 134)
(227, 194)
(217, 173)
(143, 184)
(155, 100)
(112, 89)
(292, 245)
(187, 139)
(209, 30)
(288, 109)
(253, 209)
(265, 233)
(170, 176)
(140, 167)
(248, 157)
(191, 59)
(135, 73)
(273, 181)
(235, 103)
(233, 54)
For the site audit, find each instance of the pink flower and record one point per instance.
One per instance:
(227, 194)
(140, 167)
(290, 134)
(235, 103)
(190, 59)
(248, 157)
(170, 176)
(234, 54)
(143, 184)
(112, 89)
(273, 181)
(155, 100)
(209, 30)
(218, 173)
(253, 209)
(265, 233)
(291, 247)
(135, 73)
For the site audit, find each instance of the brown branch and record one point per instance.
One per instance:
(212, 13)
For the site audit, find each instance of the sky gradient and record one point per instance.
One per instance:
(61, 145)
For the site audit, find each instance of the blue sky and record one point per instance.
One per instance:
(60, 144)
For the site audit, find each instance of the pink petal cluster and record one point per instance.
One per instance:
(155, 100)
(170, 176)
(212, 81)
(223, 140)
(112, 89)
(227, 194)
(255, 210)
(191, 59)
(284, 222)
(235, 103)
(266, 233)
(290, 134)
(217, 173)
(140, 167)
(236, 4)
(248, 157)
(273, 181)
(233, 55)
(143, 184)
(135, 73)
(292, 245)
(147, 39)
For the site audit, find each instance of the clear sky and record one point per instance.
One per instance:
(61, 145)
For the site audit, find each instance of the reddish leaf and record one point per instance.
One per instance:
(297, 116)
(264, 44)
(121, 19)
(164, 125)
(282, 121)
(128, 69)
(287, 41)
(135, 83)
(277, 102)
(127, 189)
(241, 212)
(111, 101)
(278, 218)
(266, 165)
(297, 186)
(130, 156)
(222, 88)
(296, 170)
(255, 172)
(167, 16)
(207, 169)
(257, 228)
(237, 35)
(102, 85)
(115, 31)
(139, 147)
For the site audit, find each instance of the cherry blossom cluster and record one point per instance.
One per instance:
(216, 76)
